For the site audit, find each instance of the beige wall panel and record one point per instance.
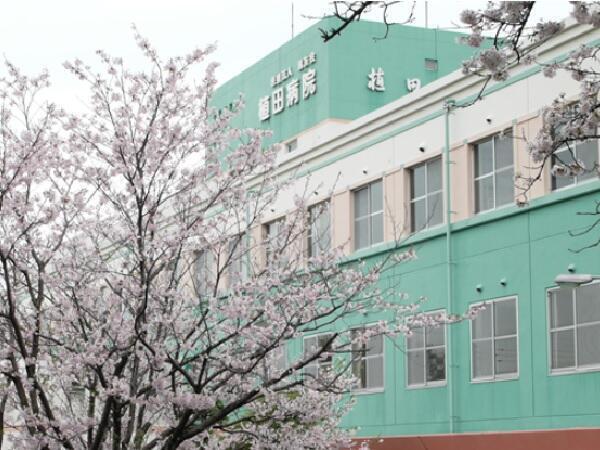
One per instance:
(257, 250)
(341, 219)
(526, 130)
(395, 196)
(461, 181)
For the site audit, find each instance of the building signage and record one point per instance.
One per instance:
(288, 89)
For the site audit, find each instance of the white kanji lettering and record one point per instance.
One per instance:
(277, 101)
(263, 108)
(292, 91)
(309, 83)
(376, 82)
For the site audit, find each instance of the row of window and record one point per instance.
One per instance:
(493, 185)
(574, 343)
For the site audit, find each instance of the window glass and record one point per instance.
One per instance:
(436, 364)
(367, 363)
(561, 311)
(588, 304)
(563, 348)
(484, 158)
(416, 368)
(376, 196)
(319, 236)
(434, 175)
(505, 355)
(585, 152)
(377, 228)
(575, 327)
(494, 340)
(418, 214)
(368, 215)
(505, 318)
(361, 202)
(503, 151)
(418, 182)
(426, 355)
(482, 359)
(482, 324)
(484, 194)
(313, 344)
(426, 195)
(504, 187)
(494, 172)
(588, 348)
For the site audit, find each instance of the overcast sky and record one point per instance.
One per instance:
(36, 34)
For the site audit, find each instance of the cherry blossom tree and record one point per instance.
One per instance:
(138, 308)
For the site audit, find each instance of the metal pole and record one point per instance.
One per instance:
(292, 20)
(448, 105)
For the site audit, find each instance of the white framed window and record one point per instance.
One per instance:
(494, 172)
(574, 328)
(495, 342)
(426, 199)
(203, 266)
(368, 362)
(426, 356)
(586, 153)
(273, 241)
(368, 215)
(319, 230)
(237, 250)
(312, 344)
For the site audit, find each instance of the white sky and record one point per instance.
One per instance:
(37, 34)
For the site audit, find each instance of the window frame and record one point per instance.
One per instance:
(575, 369)
(204, 259)
(317, 362)
(427, 194)
(426, 384)
(576, 181)
(311, 223)
(367, 390)
(280, 221)
(495, 377)
(493, 173)
(370, 214)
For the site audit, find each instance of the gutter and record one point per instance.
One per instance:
(448, 106)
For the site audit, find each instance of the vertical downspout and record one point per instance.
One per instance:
(448, 105)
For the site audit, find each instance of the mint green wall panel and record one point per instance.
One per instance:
(342, 66)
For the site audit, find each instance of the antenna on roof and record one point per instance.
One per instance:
(426, 18)
(292, 20)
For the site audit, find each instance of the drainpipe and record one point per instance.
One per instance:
(448, 105)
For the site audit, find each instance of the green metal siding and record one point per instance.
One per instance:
(528, 248)
(342, 66)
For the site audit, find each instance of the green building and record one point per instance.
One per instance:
(374, 116)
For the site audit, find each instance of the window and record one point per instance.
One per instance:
(426, 202)
(313, 344)
(203, 264)
(494, 341)
(319, 232)
(237, 264)
(368, 215)
(584, 152)
(367, 362)
(494, 173)
(426, 356)
(273, 242)
(575, 328)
